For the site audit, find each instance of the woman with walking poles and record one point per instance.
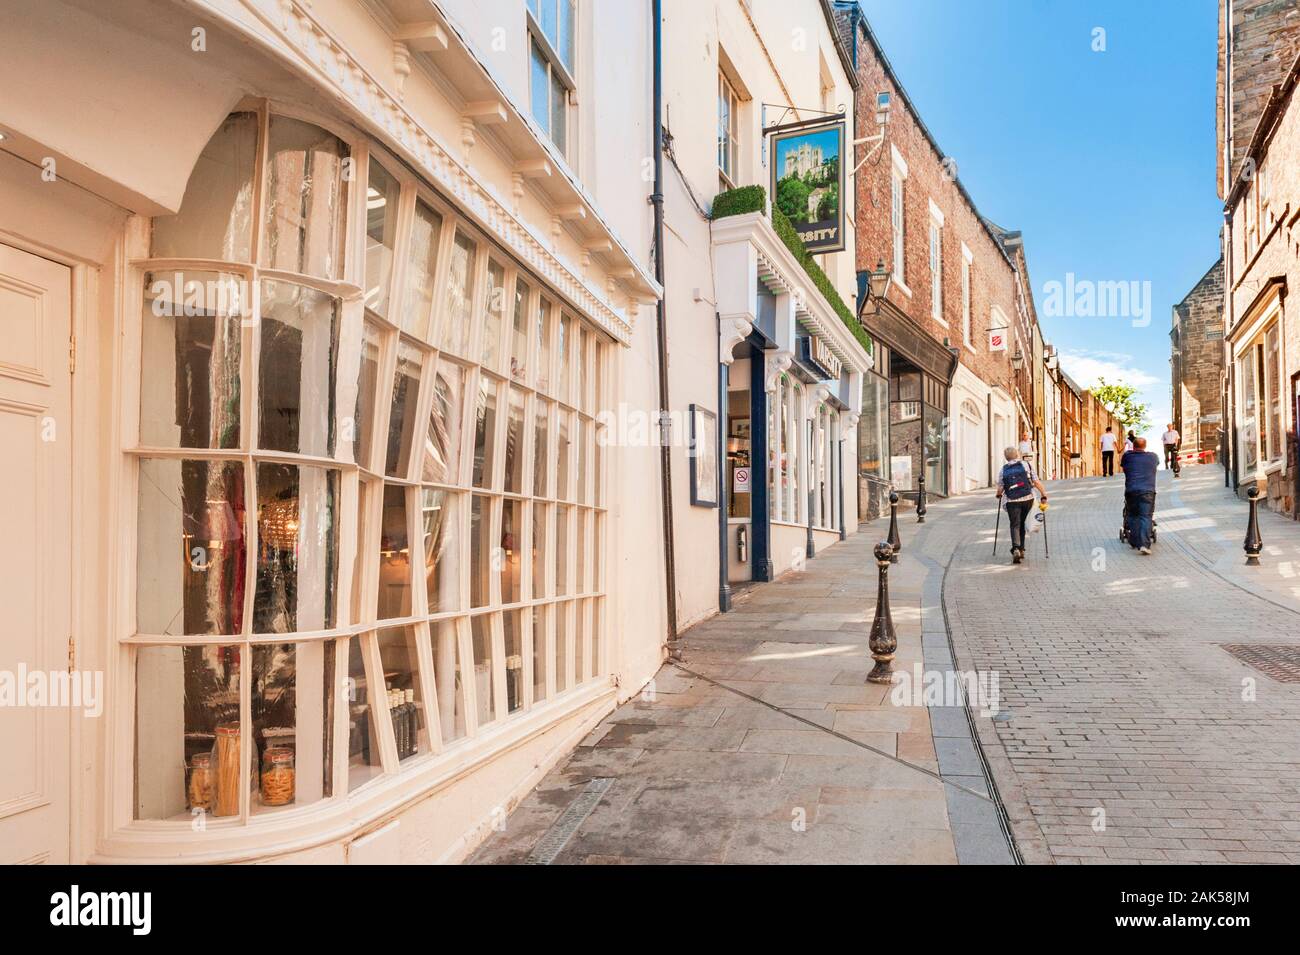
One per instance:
(1016, 484)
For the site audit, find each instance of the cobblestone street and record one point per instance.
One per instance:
(1126, 732)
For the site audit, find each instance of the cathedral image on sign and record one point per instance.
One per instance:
(808, 183)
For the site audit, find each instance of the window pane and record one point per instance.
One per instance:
(442, 439)
(597, 465)
(417, 306)
(541, 560)
(580, 552)
(190, 547)
(579, 641)
(381, 236)
(562, 358)
(187, 736)
(541, 449)
(539, 88)
(394, 556)
(519, 332)
(401, 664)
(364, 761)
(514, 464)
(540, 617)
(447, 681)
(514, 644)
(484, 658)
(550, 20)
(480, 551)
(216, 215)
(401, 418)
(559, 112)
(598, 637)
(544, 322)
(191, 346)
(582, 372)
(512, 522)
(562, 652)
(359, 560)
(584, 446)
(562, 549)
(441, 549)
(485, 427)
(297, 548)
(456, 304)
(297, 367)
(361, 428)
(305, 199)
(494, 304)
(293, 723)
(563, 450)
(564, 44)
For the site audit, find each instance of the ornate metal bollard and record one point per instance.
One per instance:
(895, 541)
(883, 641)
(920, 497)
(1254, 543)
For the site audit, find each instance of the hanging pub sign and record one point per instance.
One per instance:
(807, 182)
(815, 353)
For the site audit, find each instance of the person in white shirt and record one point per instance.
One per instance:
(1171, 439)
(1026, 446)
(1108, 453)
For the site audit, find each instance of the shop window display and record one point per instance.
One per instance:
(384, 394)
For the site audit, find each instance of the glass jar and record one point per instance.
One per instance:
(227, 754)
(277, 776)
(200, 791)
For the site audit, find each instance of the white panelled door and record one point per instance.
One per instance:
(35, 552)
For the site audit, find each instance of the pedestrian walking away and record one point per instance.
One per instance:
(1108, 453)
(1139, 467)
(1016, 484)
(1171, 439)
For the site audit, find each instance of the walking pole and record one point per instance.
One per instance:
(996, 521)
(1046, 551)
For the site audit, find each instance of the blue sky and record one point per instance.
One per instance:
(1105, 160)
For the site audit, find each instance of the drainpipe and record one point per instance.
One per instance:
(661, 329)
(1229, 408)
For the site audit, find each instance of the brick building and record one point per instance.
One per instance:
(958, 308)
(1196, 364)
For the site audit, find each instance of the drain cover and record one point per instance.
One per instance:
(1280, 663)
(557, 837)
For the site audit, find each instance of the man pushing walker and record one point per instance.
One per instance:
(1139, 467)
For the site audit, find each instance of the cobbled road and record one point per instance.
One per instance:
(1128, 734)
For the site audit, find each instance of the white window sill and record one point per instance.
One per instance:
(902, 286)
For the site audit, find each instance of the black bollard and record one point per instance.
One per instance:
(1254, 543)
(895, 542)
(883, 641)
(920, 497)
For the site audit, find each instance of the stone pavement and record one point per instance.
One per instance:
(1130, 734)
(766, 744)
(1125, 732)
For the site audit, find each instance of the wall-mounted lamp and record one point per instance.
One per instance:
(1018, 360)
(873, 286)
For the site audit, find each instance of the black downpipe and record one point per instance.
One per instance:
(661, 330)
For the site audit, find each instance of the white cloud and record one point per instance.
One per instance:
(1086, 367)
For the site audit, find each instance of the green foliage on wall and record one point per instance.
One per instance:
(735, 202)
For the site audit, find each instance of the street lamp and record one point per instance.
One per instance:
(1017, 360)
(873, 286)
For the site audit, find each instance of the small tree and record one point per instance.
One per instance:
(1121, 400)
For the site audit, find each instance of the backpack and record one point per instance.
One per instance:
(1015, 480)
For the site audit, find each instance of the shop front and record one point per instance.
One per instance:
(339, 416)
(1264, 397)
(911, 411)
(793, 373)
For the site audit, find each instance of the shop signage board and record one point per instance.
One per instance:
(807, 182)
(997, 339)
